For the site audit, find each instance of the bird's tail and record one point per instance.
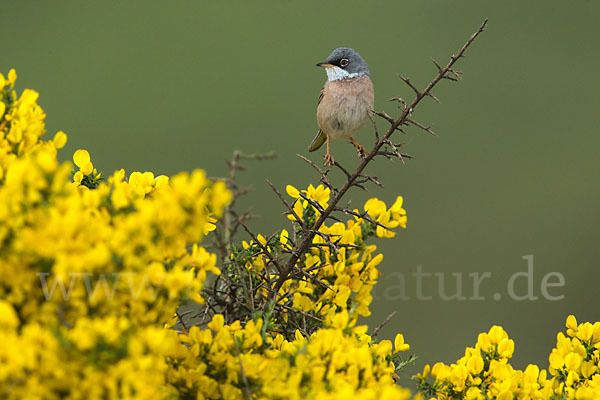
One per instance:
(318, 141)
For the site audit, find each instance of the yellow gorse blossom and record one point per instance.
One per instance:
(390, 218)
(485, 371)
(92, 274)
(328, 364)
(350, 273)
(94, 269)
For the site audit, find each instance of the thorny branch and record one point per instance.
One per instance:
(381, 325)
(231, 221)
(353, 179)
(239, 295)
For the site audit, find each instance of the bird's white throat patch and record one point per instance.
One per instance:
(336, 73)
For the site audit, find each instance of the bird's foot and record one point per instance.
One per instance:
(360, 149)
(329, 160)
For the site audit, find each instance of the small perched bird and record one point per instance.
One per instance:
(345, 101)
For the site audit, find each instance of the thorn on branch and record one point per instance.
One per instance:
(425, 128)
(374, 179)
(400, 130)
(457, 74)
(394, 150)
(385, 116)
(401, 101)
(409, 83)
(390, 156)
(374, 125)
(344, 170)
(433, 97)
(360, 186)
(454, 78)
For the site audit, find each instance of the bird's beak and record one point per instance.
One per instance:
(325, 65)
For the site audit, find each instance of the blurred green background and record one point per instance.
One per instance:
(172, 86)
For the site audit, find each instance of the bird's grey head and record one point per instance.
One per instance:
(344, 62)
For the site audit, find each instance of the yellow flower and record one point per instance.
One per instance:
(81, 158)
(425, 373)
(161, 180)
(374, 207)
(506, 395)
(572, 377)
(144, 181)
(474, 393)
(496, 334)
(475, 364)
(60, 139)
(573, 361)
(506, 347)
(398, 213)
(8, 316)
(484, 343)
(571, 325)
(588, 368)
(383, 348)
(440, 371)
(12, 76)
(283, 238)
(585, 331)
(292, 191)
(77, 177)
(320, 194)
(384, 220)
(298, 209)
(399, 344)
(341, 320)
(302, 303)
(15, 134)
(217, 323)
(210, 225)
(556, 360)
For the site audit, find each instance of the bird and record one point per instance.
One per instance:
(345, 101)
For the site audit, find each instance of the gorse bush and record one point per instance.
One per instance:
(485, 372)
(93, 271)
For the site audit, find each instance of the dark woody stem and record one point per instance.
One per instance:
(444, 73)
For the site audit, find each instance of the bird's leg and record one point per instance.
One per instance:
(328, 156)
(362, 153)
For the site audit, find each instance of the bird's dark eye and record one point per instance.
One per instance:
(343, 62)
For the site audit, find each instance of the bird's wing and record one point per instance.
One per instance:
(321, 94)
(321, 137)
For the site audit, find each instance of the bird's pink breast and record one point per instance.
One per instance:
(345, 106)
